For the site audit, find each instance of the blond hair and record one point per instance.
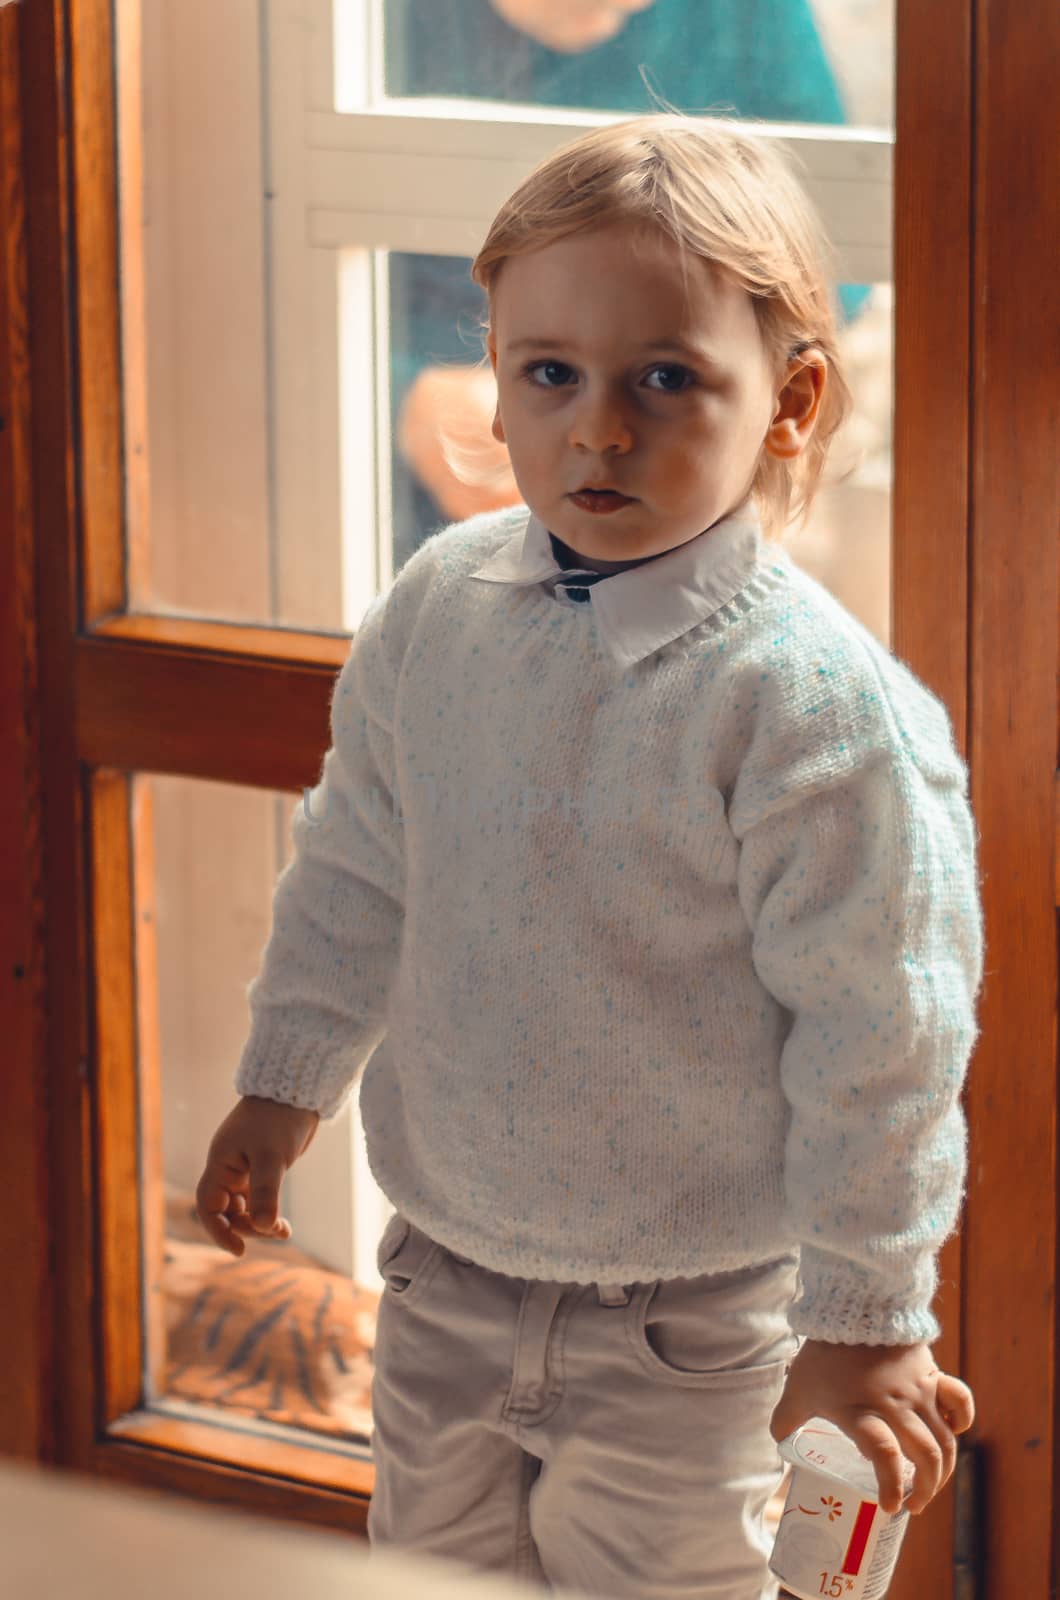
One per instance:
(725, 196)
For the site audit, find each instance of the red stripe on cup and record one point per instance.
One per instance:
(859, 1538)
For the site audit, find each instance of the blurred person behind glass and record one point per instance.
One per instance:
(753, 58)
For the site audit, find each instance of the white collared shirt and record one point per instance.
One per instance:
(647, 606)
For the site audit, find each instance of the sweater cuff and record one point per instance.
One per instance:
(840, 1302)
(315, 1075)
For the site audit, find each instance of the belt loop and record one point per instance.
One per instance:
(612, 1294)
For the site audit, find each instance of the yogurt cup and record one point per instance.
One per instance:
(834, 1538)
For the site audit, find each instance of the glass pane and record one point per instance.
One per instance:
(243, 502)
(446, 465)
(802, 61)
(283, 1336)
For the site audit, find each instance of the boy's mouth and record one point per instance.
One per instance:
(601, 499)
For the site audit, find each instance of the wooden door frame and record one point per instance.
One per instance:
(1010, 1239)
(930, 515)
(976, 588)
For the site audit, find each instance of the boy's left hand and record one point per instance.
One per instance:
(891, 1400)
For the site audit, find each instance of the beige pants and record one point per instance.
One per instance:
(612, 1439)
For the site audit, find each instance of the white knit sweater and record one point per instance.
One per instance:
(655, 919)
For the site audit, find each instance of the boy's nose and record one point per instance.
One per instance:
(601, 425)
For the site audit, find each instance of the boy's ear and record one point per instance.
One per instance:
(798, 405)
(497, 426)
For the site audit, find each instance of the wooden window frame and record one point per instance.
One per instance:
(89, 696)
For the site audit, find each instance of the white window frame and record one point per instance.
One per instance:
(421, 176)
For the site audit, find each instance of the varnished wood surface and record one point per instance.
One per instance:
(296, 646)
(54, 1244)
(25, 1226)
(151, 1188)
(932, 374)
(201, 715)
(1010, 1233)
(95, 225)
(214, 1436)
(114, 969)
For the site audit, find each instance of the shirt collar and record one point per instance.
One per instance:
(640, 610)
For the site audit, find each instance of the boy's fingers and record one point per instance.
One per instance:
(877, 1442)
(228, 1217)
(220, 1230)
(213, 1195)
(931, 1447)
(956, 1402)
(246, 1225)
(211, 1201)
(266, 1176)
(227, 1237)
(217, 1199)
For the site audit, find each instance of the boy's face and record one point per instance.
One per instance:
(611, 372)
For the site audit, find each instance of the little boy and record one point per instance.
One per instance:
(643, 880)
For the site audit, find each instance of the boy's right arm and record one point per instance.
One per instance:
(318, 1003)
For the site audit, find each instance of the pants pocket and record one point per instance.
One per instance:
(404, 1256)
(726, 1330)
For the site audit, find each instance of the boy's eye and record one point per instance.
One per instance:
(553, 374)
(675, 378)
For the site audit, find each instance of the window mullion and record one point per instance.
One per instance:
(429, 181)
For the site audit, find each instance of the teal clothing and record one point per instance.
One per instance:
(758, 59)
